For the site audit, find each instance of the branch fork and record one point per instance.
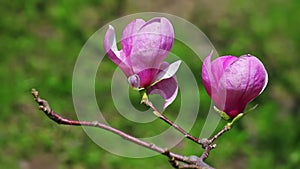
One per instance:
(176, 160)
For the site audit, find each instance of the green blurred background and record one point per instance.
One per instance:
(40, 41)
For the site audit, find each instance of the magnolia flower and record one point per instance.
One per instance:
(144, 47)
(233, 82)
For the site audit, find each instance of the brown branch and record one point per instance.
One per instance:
(197, 163)
(171, 123)
(207, 144)
(188, 162)
(225, 129)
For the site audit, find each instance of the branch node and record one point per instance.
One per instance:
(95, 123)
(204, 142)
(156, 113)
(152, 145)
(213, 146)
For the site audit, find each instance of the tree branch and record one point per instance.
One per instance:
(207, 144)
(225, 129)
(148, 103)
(188, 162)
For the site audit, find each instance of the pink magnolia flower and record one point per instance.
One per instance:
(233, 82)
(145, 45)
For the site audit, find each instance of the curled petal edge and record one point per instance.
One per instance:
(118, 57)
(167, 88)
(110, 45)
(168, 72)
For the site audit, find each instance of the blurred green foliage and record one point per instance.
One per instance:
(40, 41)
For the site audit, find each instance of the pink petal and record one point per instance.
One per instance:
(211, 75)
(207, 77)
(146, 77)
(213, 71)
(151, 44)
(243, 80)
(128, 34)
(134, 81)
(220, 64)
(152, 76)
(167, 71)
(233, 82)
(114, 54)
(110, 45)
(167, 88)
(164, 65)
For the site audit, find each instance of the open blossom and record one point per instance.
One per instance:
(145, 45)
(233, 82)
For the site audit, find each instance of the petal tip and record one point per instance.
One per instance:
(110, 27)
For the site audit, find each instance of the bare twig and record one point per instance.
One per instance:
(198, 163)
(174, 159)
(225, 129)
(207, 144)
(164, 118)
